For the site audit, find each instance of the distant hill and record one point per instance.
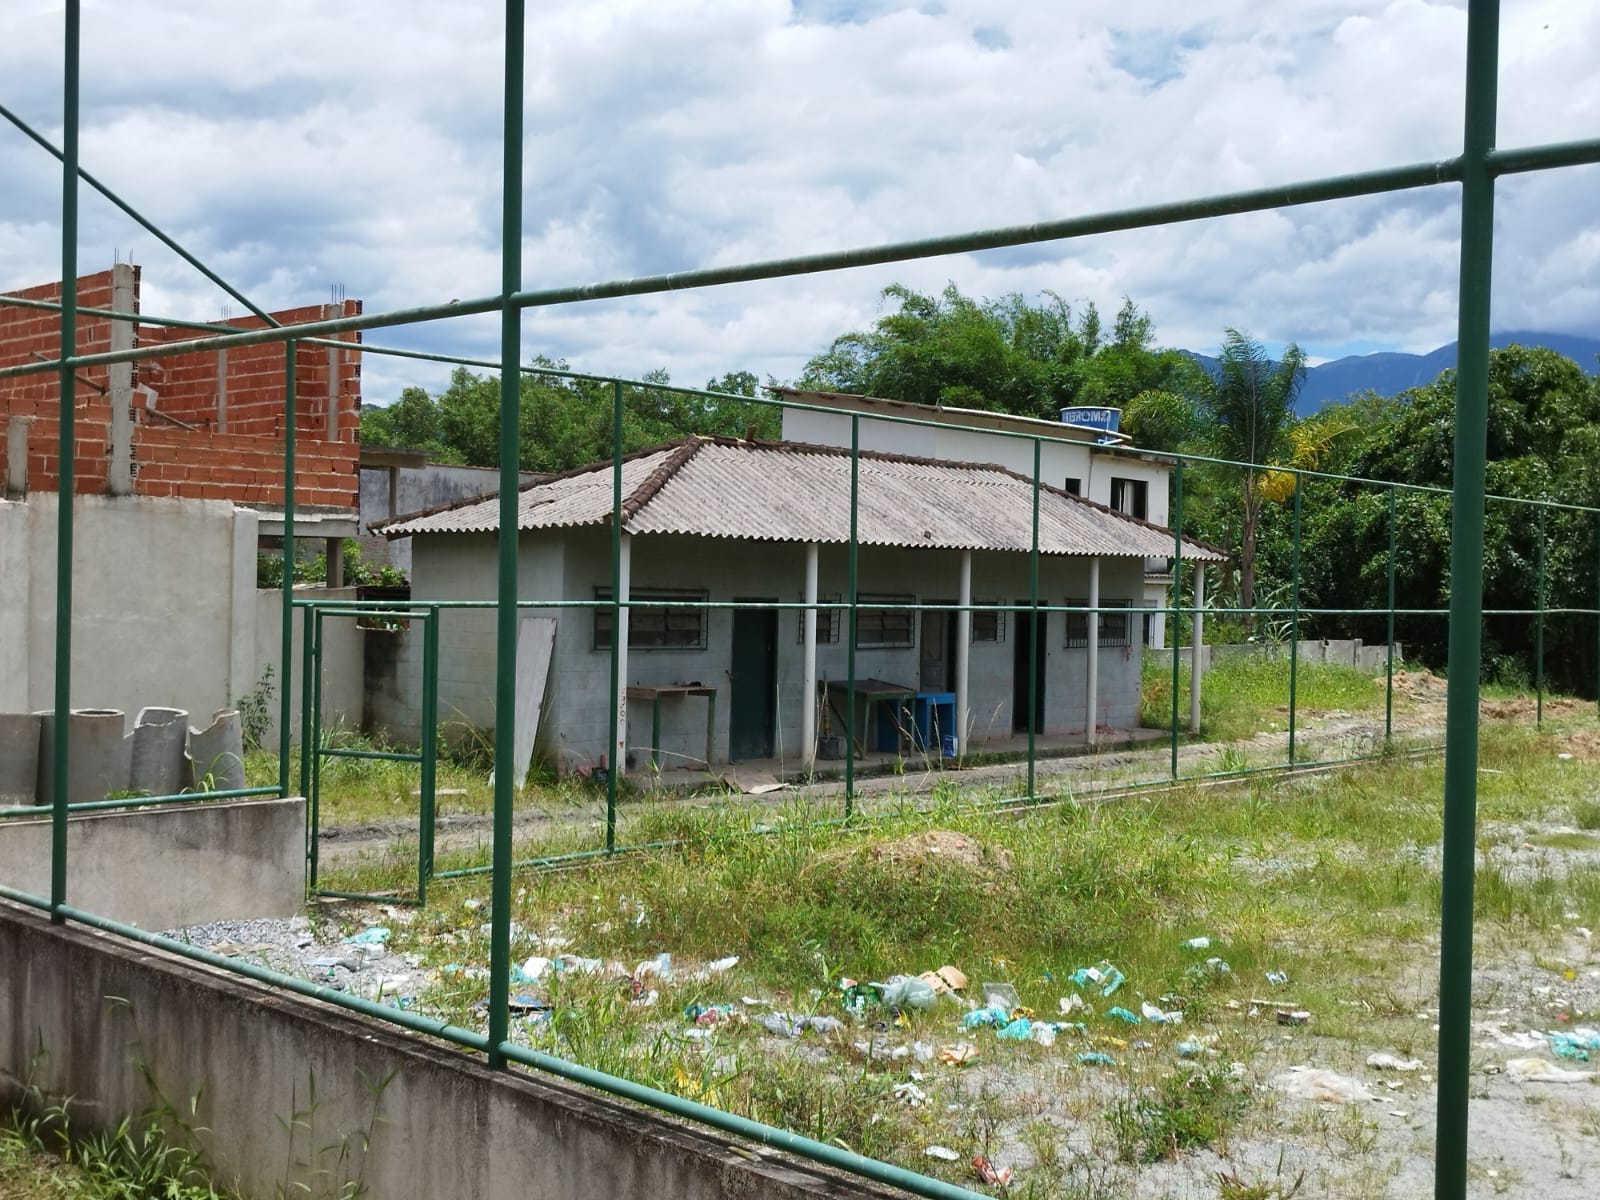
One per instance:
(1387, 374)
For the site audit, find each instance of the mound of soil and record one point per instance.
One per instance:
(946, 847)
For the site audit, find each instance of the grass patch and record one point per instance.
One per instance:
(1183, 1111)
(1586, 813)
(1243, 697)
(42, 1157)
(1565, 841)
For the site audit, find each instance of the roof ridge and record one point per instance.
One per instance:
(657, 479)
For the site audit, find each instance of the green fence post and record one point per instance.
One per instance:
(1172, 600)
(1466, 602)
(306, 666)
(430, 751)
(505, 678)
(1538, 649)
(1036, 638)
(66, 442)
(1388, 686)
(850, 650)
(1294, 612)
(314, 788)
(286, 644)
(613, 723)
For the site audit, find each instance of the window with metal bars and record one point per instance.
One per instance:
(885, 628)
(674, 625)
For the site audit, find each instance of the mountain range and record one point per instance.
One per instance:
(1388, 373)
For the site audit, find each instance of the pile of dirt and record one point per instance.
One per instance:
(946, 847)
(1419, 685)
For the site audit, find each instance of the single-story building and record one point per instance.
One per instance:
(711, 521)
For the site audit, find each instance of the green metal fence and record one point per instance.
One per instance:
(1475, 170)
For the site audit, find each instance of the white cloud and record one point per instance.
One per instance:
(302, 145)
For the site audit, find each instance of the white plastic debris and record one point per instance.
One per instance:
(1315, 1083)
(1072, 1003)
(723, 964)
(1542, 1070)
(1155, 1014)
(911, 1094)
(1043, 1032)
(1198, 943)
(942, 1153)
(1391, 1062)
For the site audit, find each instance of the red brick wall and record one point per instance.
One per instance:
(243, 462)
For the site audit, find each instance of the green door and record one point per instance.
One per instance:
(753, 696)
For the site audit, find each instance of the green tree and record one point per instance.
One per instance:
(1248, 410)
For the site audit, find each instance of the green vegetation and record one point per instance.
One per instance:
(43, 1158)
(1244, 696)
(565, 422)
(1332, 879)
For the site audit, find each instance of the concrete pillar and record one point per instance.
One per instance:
(808, 664)
(222, 391)
(619, 752)
(1196, 645)
(17, 430)
(119, 476)
(335, 559)
(1091, 728)
(330, 416)
(963, 652)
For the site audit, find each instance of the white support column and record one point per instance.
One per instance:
(1091, 706)
(619, 752)
(1196, 644)
(963, 653)
(808, 667)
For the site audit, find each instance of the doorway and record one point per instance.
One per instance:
(753, 693)
(1028, 645)
(937, 665)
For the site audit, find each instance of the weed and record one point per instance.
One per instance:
(1183, 1112)
(1586, 813)
(255, 710)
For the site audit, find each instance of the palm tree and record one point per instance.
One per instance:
(1249, 409)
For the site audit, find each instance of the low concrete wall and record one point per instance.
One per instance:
(86, 1016)
(1347, 652)
(172, 865)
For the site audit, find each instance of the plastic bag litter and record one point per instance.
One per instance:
(922, 1051)
(1105, 977)
(942, 1153)
(1016, 1031)
(1574, 1045)
(1541, 1070)
(530, 971)
(1390, 1062)
(1071, 1004)
(1123, 1015)
(1000, 995)
(905, 991)
(1096, 1058)
(1197, 943)
(1155, 1014)
(372, 935)
(1277, 978)
(723, 964)
(1044, 1033)
(1315, 1083)
(660, 966)
(993, 1015)
(911, 1094)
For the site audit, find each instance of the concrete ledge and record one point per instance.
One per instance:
(169, 865)
(87, 1015)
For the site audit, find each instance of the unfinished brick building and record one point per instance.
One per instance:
(206, 425)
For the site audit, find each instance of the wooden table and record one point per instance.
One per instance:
(682, 691)
(870, 692)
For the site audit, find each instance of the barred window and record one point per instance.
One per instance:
(1114, 626)
(828, 620)
(672, 626)
(885, 628)
(989, 622)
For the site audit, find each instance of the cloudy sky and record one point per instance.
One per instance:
(301, 145)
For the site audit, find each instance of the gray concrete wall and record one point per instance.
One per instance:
(155, 586)
(343, 646)
(1346, 652)
(92, 1018)
(170, 865)
(416, 488)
